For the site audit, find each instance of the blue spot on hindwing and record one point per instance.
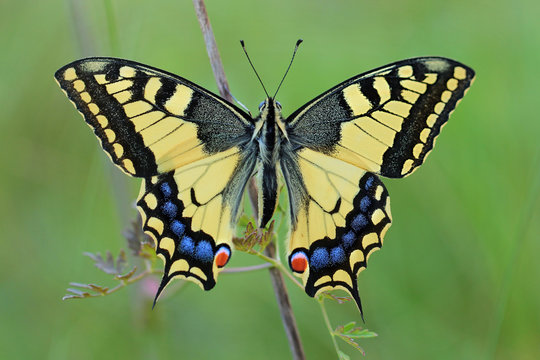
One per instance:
(365, 203)
(178, 228)
(166, 190)
(348, 239)
(369, 183)
(186, 245)
(204, 251)
(320, 258)
(359, 222)
(337, 255)
(169, 209)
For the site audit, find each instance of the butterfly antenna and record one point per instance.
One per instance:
(298, 42)
(253, 67)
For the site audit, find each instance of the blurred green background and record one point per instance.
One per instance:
(458, 277)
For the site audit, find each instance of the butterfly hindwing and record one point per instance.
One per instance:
(342, 218)
(191, 213)
(385, 121)
(150, 121)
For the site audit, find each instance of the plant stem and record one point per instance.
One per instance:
(278, 282)
(277, 264)
(212, 50)
(328, 325)
(246, 268)
(122, 284)
(287, 316)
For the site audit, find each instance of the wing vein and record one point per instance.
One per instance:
(164, 136)
(370, 135)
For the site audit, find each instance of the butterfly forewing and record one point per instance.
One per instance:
(150, 121)
(385, 121)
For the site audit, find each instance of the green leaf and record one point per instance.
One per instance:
(343, 356)
(338, 299)
(109, 265)
(350, 332)
(137, 239)
(127, 275)
(254, 238)
(99, 289)
(348, 327)
(75, 294)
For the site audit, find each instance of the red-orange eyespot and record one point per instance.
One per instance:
(222, 256)
(298, 262)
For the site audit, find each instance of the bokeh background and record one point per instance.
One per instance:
(458, 277)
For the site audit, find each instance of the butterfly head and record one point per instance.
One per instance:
(270, 122)
(269, 107)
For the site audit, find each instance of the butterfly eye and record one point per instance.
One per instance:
(261, 105)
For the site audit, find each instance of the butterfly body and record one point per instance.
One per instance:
(196, 153)
(270, 137)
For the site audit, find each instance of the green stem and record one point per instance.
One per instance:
(277, 264)
(246, 268)
(328, 325)
(123, 283)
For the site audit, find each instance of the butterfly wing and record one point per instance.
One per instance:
(385, 121)
(382, 122)
(190, 146)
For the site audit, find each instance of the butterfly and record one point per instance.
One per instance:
(195, 153)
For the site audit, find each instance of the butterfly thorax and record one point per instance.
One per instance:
(270, 133)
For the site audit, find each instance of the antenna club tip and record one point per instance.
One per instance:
(242, 42)
(299, 41)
